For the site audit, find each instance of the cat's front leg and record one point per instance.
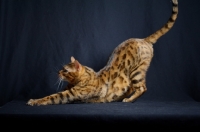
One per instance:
(42, 101)
(31, 102)
(74, 94)
(37, 102)
(51, 99)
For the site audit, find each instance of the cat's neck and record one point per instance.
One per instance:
(86, 76)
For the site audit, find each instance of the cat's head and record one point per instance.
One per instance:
(71, 71)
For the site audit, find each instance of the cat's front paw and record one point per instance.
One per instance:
(32, 102)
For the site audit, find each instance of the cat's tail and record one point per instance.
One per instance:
(155, 36)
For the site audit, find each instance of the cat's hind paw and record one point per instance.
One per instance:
(126, 100)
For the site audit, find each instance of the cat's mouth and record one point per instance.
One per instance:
(60, 75)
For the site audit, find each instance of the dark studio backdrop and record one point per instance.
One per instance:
(38, 36)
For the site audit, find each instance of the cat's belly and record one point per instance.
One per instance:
(117, 89)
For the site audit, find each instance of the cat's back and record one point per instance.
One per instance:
(131, 52)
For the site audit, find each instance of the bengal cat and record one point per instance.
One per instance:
(122, 79)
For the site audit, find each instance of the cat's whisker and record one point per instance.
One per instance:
(56, 69)
(53, 72)
(59, 81)
(61, 84)
(62, 65)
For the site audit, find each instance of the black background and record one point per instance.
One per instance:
(38, 36)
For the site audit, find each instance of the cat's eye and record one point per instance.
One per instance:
(65, 70)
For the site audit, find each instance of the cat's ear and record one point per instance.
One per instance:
(72, 59)
(78, 66)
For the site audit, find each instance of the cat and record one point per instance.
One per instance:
(122, 79)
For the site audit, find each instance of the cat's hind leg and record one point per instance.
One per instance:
(137, 86)
(137, 93)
